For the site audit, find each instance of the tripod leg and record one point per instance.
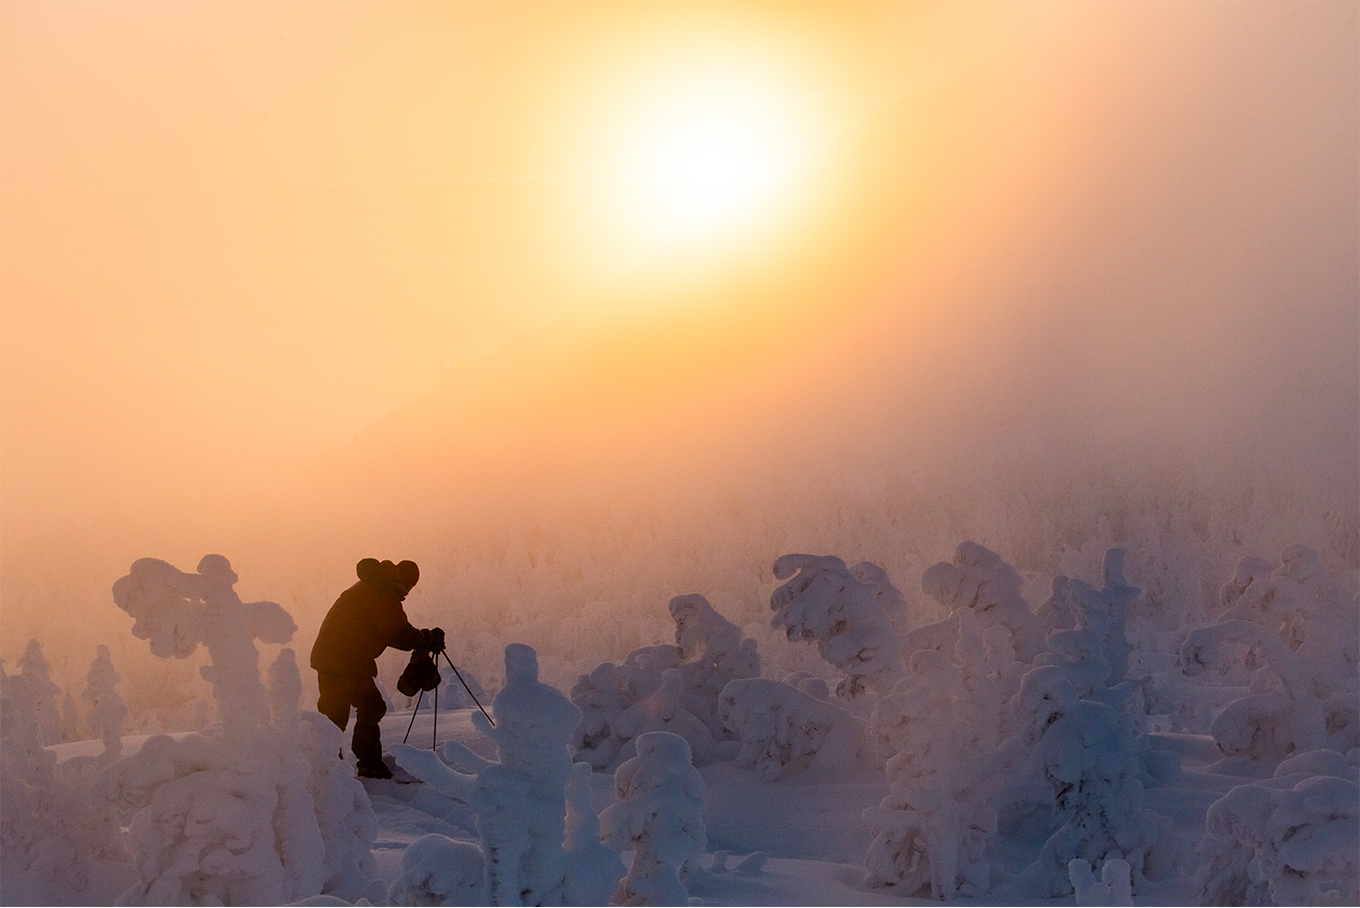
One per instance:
(435, 734)
(413, 717)
(466, 688)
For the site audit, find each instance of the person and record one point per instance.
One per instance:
(366, 619)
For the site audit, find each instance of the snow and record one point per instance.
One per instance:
(1001, 754)
(674, 688)
(438, 870)
(824, 601)
(784, 730)
(659, 817)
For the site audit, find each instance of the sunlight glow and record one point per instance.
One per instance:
(705, 151)
(701, 163)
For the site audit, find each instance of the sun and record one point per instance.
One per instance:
(707, 157)
(707, 162)
(707, 149)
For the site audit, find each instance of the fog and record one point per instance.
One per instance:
(1086, 279)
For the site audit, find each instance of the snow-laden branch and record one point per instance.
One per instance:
(824, 602)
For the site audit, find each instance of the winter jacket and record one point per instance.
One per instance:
(364, 621)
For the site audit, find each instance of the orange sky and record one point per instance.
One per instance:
(234, 235)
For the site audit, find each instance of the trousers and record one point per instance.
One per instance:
(339, 692)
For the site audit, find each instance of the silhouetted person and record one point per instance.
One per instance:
(364, 621)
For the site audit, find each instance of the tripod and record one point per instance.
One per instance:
(435, 733)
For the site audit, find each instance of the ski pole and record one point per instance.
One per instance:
(445, 654)
(413, 717)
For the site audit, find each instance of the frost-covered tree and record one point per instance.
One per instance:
(712, 651)
(258, 810)
(521, 801)
(887, 595)
(785, 730)
(978, 580)
(1091, 759)
(603, 695)
(177, 612)
(593, 868)
(932, 829)
(81, 772)
(521, 798)
(1315, 621)
(1087, 636)
(437, 870)
(953, 749)
(824, 602)
(53, 847)
(1113, 888)
(532, 804)
(454, 695)
(42, 691)
(1279, 716)
(107, 709)
(344, 815)
(1250, 595)
(659, 815)
(662, 711)
(70, 719)
(1293, 839)
(261, 818)
(618, 702)
(1304, 606)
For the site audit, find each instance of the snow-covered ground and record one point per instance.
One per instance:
(810, 829)
(1006, 754)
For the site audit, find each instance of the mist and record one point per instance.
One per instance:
(1098, 286)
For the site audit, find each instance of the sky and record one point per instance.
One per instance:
(235, 238)
(235, 234)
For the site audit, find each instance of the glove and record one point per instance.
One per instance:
(434, 639)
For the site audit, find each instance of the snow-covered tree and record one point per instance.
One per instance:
(107, 709)
(52, 845)
(662, 711)
(978, 580)
(42, 691)
(258, 810)
(604, 694)
(932, 829)
(437, 870)
(533, 806)
(1293, 839)
(521, 798)
(454, 695)
(1315, 621)
(1113, 888)
(618, 702)
(1087, 627)
(824, 602)
(659, 815)
(712, 651)
(954, 747)
(887, 595)
(1279, 716)
(784, 730)
(1091, 759)
(177, 612)
(593, 868)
